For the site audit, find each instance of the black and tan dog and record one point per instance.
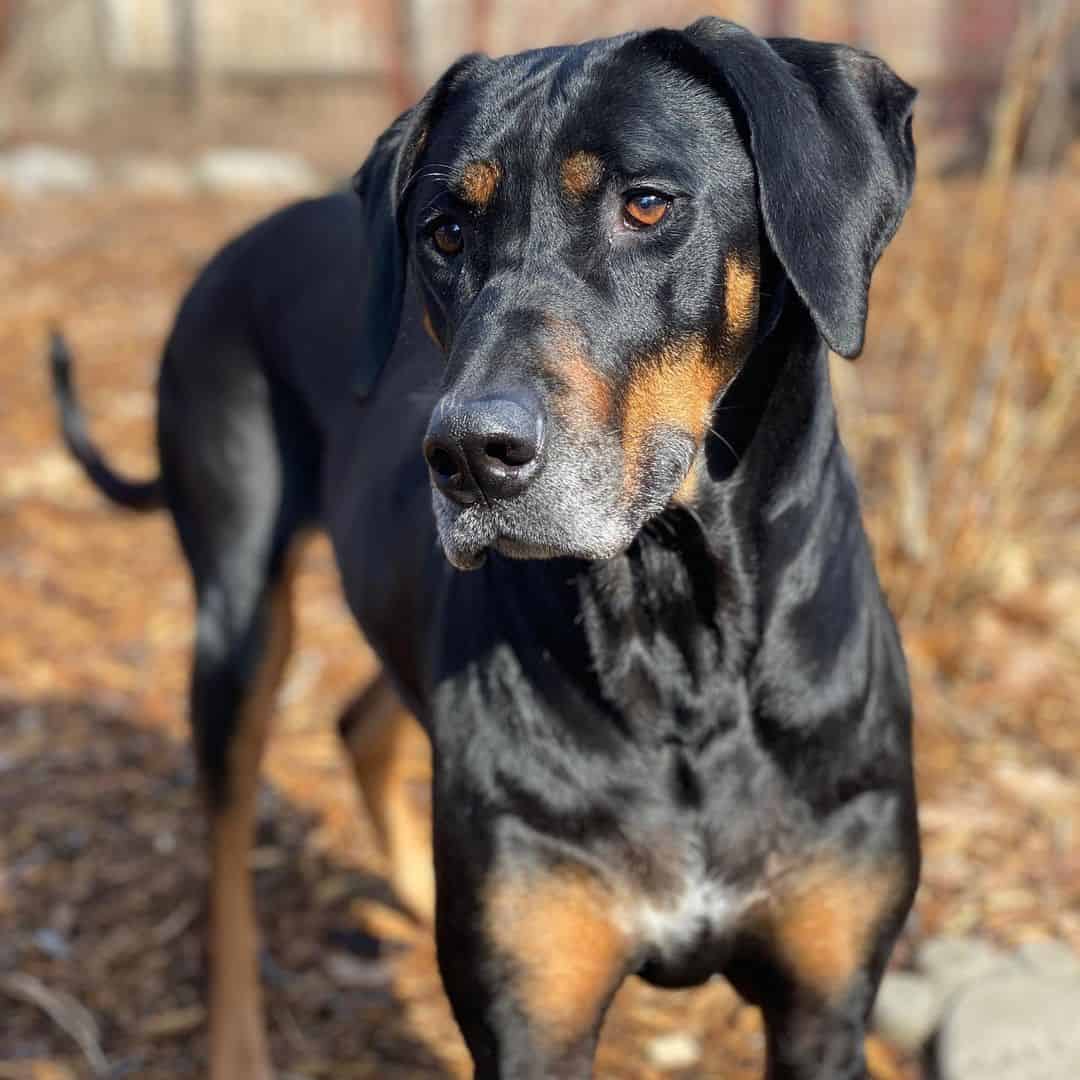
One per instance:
(668, 705)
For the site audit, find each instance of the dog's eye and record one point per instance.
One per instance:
(643, 209)
(447, 236)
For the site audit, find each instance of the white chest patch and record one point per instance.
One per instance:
(702, 910)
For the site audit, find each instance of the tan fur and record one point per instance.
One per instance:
(822, 919)
(581, 174)
(567, 954)
(740, 299)
(587, 396)
(478, 182)
(687, 492)
(678, 386)
(238, 1049)
(391, 760)
(429, 328)
(590, 394)
(675, 388)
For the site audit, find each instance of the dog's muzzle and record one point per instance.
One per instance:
(485, 449)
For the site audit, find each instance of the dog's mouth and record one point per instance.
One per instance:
(578, 504)
(468, 534)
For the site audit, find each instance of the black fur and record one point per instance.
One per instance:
(723, 672)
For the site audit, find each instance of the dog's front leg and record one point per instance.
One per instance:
(531, 956)
(815, 957)
(817, 1040)
(391, 760)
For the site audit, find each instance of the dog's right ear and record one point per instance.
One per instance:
(382, 184)
(829, 131)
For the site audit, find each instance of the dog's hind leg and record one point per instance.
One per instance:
(238, 475)
(238, 700)
(391, 759)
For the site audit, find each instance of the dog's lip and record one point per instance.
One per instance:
(465, 559)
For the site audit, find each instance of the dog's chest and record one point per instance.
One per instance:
(683, 910)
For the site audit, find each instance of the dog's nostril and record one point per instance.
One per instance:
(510, 451)
(442, 462)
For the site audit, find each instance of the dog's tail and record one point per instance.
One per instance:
(131, 494)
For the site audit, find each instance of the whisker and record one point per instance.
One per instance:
(734, 452)
(433, 170)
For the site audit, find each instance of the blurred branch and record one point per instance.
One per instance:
(403, 88)
(185, 14)
(984, 433)
(482, 11)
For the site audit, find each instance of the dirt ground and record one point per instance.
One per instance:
(101, 866)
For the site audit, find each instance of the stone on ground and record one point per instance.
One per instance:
(678, 1050)
(1013, 1026)
(950, 962)
(236, 169)
(907, 1009)
(42, 170)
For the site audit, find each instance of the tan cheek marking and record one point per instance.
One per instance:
(822, 922)
(587, 396)
(429, 328)
(589, 393)
(581, 174)
(568, 955)
(478, 182)
(673, 388)
(688, 489)
(740, 299)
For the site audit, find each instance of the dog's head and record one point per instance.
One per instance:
(586, 226)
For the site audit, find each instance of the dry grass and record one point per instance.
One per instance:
(983, 301)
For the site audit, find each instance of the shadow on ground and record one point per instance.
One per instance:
(101, 903)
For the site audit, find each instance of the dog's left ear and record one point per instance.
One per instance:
(830, 133)
(382, 184)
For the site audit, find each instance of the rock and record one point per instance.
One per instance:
(951, 962)
(155, 176)
(1049, 958)
(233, 169)
(907, 1009)
(679, 1050)
(42, 170)
(52, 943)
(1013, 1026)
(353, 973)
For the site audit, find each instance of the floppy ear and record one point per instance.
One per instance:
(382, 184)
(830, 134)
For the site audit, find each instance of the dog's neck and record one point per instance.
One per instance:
(669, 625)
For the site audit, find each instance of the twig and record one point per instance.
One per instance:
(64, 1011)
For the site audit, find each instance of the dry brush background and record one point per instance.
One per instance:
(962, 417)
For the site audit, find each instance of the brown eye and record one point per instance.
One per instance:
(447, 236)
(645, 209)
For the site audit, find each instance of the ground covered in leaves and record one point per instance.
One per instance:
(101, 870)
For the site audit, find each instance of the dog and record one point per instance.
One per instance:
(556, 386)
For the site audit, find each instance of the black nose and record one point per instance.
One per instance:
(486, 447)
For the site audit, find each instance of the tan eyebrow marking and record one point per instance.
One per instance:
(478, 182)
(581, 174)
